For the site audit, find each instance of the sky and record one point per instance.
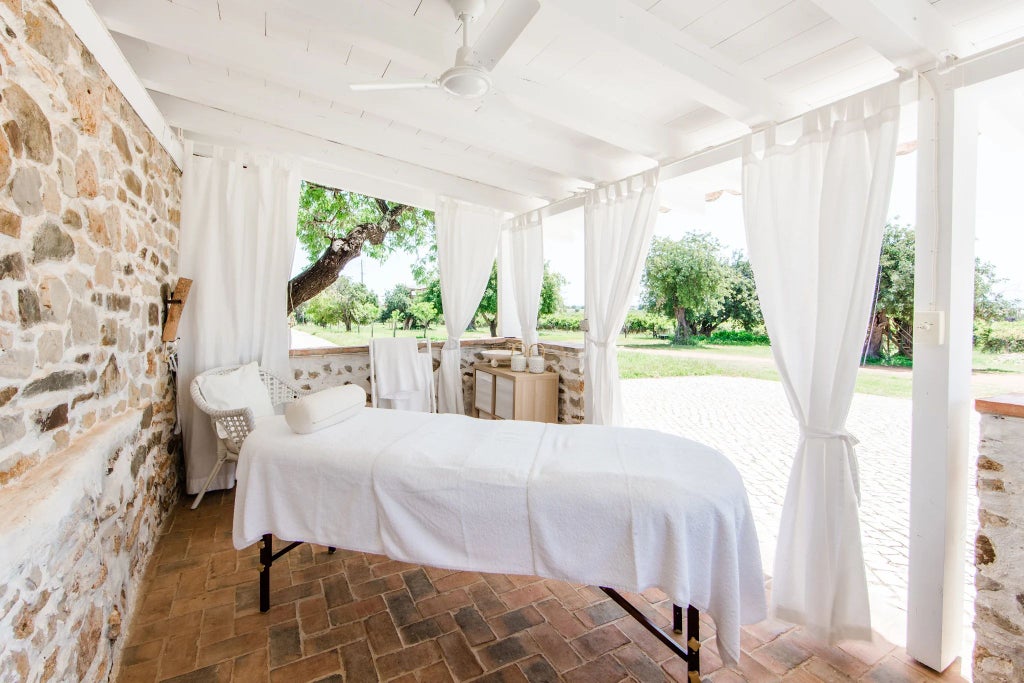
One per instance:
(999, 226)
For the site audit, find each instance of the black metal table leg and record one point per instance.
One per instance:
(677, 619)
(266, 560)
(693, 643)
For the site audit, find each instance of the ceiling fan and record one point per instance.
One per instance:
(470, 77)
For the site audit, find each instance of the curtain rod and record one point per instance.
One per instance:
(725, 151)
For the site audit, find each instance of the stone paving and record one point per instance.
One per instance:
(749, 420)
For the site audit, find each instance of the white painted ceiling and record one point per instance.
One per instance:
(592, 90)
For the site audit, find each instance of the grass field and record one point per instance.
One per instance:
(641, 356)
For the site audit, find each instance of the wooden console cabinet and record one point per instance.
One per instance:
(500, 394)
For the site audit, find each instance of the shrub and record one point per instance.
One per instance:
(564, 320)
(649, 322)
(1000, 336)
(738, 338)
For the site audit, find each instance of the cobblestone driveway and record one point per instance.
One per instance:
(750, 422)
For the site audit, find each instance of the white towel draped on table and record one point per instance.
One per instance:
(625, 508)
(397, 368)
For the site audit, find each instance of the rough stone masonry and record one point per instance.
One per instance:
(999, 546)
(89, 213)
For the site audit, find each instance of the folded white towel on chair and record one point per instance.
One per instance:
(324, 408)
(397, 368)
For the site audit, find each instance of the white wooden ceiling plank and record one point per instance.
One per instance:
(681, 13)
(828, 65)
(712, 79)
(909, 33)
(273, 104)
(160, 24)
(729, 18)
(807, 45)
(228, 128)
(772, 31)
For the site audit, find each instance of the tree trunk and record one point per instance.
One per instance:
(325, 271)
(876, 334)
(348, 325)
(683, 332)
(494, 326)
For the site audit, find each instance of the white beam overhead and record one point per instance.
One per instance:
(230, 128)
(173, 74)
(249, 50)
(909, 33)
(713, 79)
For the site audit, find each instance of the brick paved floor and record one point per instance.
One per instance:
(749, 420)
(363, 618)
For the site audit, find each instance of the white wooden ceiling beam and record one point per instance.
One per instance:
(171, 73)
(232, 129)
(909, 33)
(247, 50)
(713, 79)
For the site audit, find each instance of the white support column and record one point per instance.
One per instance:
(944, 283)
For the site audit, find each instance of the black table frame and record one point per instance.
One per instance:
(690, 652)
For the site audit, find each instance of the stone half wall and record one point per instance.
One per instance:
(315, 369)
(89, 213)
(999, 547)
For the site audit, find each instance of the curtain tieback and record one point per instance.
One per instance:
(452, 345)
(598, 344)
(847, 438)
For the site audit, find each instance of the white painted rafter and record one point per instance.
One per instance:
(232, 129)
(909, 33)
(713, 79)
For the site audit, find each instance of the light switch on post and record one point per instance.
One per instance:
(929, 328)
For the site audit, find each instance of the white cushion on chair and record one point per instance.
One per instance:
(241, 388)
(324, 408)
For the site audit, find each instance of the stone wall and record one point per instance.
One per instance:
(999, 547)
(89, 212)
(316, 369)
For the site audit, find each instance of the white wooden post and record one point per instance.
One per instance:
(943, 288)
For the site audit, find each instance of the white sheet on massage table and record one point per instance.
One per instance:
(626, 508)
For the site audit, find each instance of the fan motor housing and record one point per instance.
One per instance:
(466, 81)
(471, 9)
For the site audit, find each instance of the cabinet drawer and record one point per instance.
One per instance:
(504, 398)
(483, 392)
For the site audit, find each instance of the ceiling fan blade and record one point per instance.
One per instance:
(393, 85)
(510, 21)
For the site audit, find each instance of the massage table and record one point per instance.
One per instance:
(621, 509)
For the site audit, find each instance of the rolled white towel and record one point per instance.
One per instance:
(324, 408)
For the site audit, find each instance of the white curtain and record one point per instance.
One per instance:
(467, 241)
(618, 222)
(814, 213)
(526, 237)
(238, 219)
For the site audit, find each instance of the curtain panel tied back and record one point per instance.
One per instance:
(467, 241)
(814, 213)
(618, 223)
(526, 238)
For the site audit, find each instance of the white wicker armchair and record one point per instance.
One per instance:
(232, 426)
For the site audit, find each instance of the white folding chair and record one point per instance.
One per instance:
(426, 358)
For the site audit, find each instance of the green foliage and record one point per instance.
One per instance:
(551, 291)
(561, 320)
(326, 213)
(647, 322)
(398, 300)
(737, 338)
(324, 309)
(684, 279)
(424, 313)
(1000, 336)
